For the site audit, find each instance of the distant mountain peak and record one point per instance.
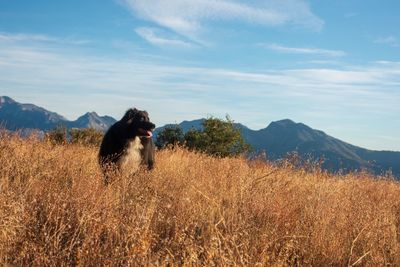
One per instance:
(89, 116)
(284, 122)
(6, 100)
(92, 113)
(93, 120)
(289, 125)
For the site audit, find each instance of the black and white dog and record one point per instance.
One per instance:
(128, 144)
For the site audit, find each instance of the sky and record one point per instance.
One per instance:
(333, 65)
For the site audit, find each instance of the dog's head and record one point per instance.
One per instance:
(138, 123)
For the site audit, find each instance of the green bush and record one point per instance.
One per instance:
(218, 138)
(171, 135)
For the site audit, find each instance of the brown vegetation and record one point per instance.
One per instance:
(192, 209)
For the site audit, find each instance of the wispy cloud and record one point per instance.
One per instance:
(351, 15)
(26, 37)
(388, 40)
(89, 82)
(190, 18)
(6, 37)
(304, 50)
(153, 36)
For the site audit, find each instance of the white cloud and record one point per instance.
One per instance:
(153, 36)
(190, 18)
(388, 40)
(304, 50)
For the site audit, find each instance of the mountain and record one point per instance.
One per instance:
(16, 116)
(92, 120)
(282, 137)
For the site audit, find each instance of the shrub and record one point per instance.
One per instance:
(58, 135)
(171, 135)
(218, 137)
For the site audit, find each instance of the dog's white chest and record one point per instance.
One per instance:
(132, 157)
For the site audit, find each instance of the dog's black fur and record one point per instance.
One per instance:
(114, 147)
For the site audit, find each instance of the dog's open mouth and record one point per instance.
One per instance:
(145, 133)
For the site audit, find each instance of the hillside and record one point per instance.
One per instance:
(282, 137)
(286, 135)
(191, 210)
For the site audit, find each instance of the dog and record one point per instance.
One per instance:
(128, 144)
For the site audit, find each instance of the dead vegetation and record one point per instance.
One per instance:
(191, 210)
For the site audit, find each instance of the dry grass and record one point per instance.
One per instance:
(191, 210)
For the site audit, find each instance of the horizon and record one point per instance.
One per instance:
(203, 118)
(333, 66)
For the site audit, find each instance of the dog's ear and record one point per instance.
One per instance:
(129, 115)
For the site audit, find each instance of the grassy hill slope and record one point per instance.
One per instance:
(191, 210)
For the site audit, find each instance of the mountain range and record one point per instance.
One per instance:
(16, 116)
(277, 140)
(283, 137)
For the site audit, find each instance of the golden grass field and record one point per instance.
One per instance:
(192, 210)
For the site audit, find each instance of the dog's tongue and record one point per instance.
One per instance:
(149, 134)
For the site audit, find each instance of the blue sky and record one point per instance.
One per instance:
(333, 65)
